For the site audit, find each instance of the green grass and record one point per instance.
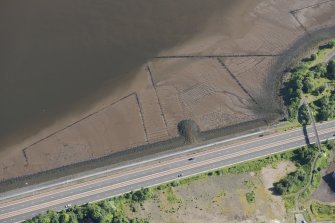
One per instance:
(322, 54)
(170, 195)
(317, 83)
(289, 202)
(288, 125)
(322, 212)
(188, 180)
(169, 200)
(256, 165)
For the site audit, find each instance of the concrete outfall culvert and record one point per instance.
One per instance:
(189, 130)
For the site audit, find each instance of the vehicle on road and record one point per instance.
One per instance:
(68, 206)
(180, 175)
(190, 159)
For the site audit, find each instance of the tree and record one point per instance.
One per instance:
(319, 69)
(310, 75)
(300, 68)
(332, 97)
(43, 218)
(313, 57)
(107, 206)
(325, 108)
(304, 155)
(299, 93)
(141, 195)
(72, 218)
(322, 88)
(323, 115)
(316, 92)
(293, 107)
(53, 215)
(127, 195)
(300, 174)
(108, 218)
(64, 217)
(119, 219)
(303, 115)
(308, 85)
(331, 70)
(317, 74)
(80, 212)
(288, 184)
(322, 102)
(280, 189)
(95, 212)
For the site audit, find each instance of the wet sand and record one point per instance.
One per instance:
(55, 55)
(130, 80)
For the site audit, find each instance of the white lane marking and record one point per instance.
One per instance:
(213, 165)
(130, 165)
(255, 140)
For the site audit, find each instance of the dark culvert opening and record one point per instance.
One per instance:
(189, 130)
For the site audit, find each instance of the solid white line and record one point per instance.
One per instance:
(216, 143)
(128, 165)
(232, 147)
(196, 165)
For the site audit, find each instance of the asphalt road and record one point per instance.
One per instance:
(156, 172)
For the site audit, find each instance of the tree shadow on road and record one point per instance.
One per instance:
(304, 129)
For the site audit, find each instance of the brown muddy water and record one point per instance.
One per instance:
(57, 53)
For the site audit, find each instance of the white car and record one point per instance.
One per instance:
(68, 206)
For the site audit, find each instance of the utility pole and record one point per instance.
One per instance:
(313, 123)
(315, 158)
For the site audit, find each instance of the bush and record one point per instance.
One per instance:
(330, 144)
(288, 184)
(331, 44)
(250, 196)
(322, 211)
(141, 195)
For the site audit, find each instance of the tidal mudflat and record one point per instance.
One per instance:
(81, 80)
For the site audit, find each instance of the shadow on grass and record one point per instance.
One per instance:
(274, 192)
